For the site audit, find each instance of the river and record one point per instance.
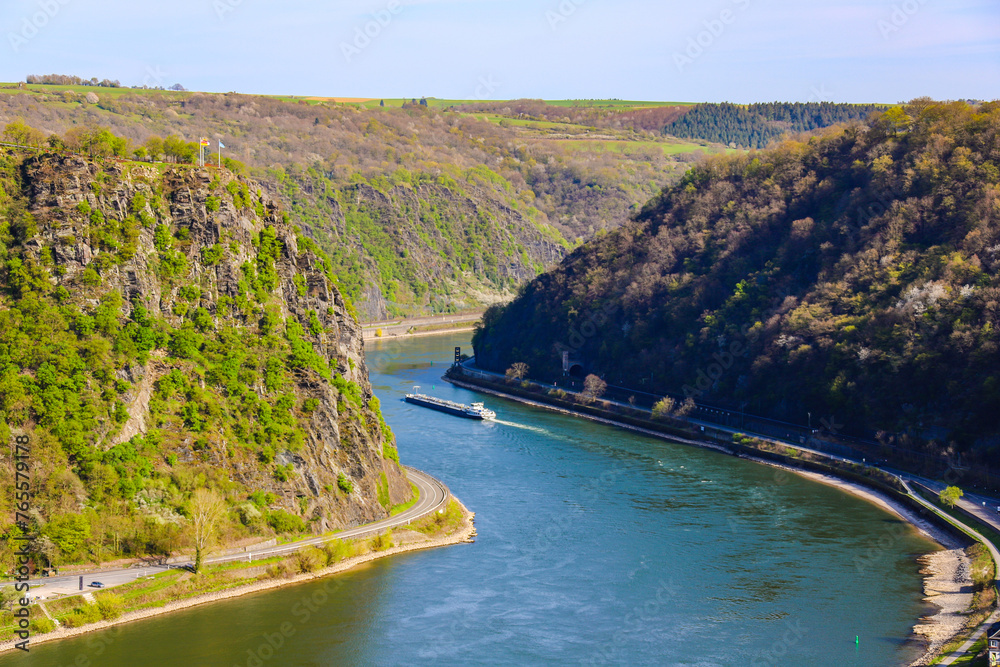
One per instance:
(596, 546)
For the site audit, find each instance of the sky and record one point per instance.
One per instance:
(663, 50)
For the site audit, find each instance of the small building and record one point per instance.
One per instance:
(993, 644)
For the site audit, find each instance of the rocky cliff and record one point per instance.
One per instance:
(424, 245)
(164, 329)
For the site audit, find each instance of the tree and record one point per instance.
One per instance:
(518, 371)
(154, 146)
(206, 509)
(8, 596)
(594, 387)
(687, 407)
(951, 495)
(664, 408)
(20, 133)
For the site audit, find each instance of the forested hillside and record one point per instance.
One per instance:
(503, 201)
(853, 276)
(167, 340)
(757, 125)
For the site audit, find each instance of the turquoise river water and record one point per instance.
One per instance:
(595, 546)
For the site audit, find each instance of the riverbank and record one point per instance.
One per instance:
(419, 334)
(421, 326)
(409, 538)
(934, 631)
(947, 584)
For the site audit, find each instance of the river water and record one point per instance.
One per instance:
(595, 546)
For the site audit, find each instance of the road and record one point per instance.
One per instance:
(434, 496)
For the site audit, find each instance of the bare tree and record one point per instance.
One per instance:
(687, 407)
(518, 371)
(594, 387)
(207, 509)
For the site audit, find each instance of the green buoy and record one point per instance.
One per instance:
(857, 640)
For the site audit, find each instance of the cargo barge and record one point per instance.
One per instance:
(475, 411)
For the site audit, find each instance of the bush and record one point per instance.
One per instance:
(41, 625)
(310, 559)
(88, 613)
(285, 522)
(212, 255)
(338, 550)
(383, 491)
(283, 570)
(110, 606)
(381, 542)
(663, 408)
(344, 484)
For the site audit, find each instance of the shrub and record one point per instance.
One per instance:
(90, 277)
(284, 522)
(110, 606)
(383, 491)
(381, 542)
(41, 625)
(663, 408)
(344, 484)
(283, 570)
(310, 559)
(88, 613)
(338, 550)
(212, 255)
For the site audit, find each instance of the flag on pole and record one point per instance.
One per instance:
(205, 142)
(221, 145)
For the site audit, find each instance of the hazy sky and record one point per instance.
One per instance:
(736, 50)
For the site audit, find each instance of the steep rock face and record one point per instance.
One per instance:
(189, 243)
(469, 247)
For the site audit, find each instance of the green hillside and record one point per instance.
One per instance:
(853, 276)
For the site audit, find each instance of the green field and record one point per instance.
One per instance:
(625, 147)
(14, 87)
